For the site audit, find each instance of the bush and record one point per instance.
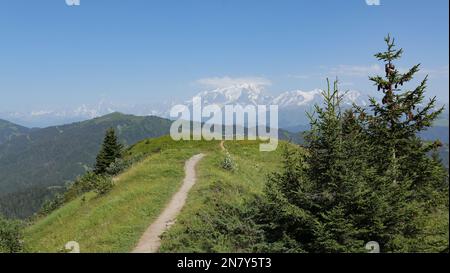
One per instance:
(82, 184)
(103, 184)
(88, 182)
(224, 224)
(51, 205)
(120, 165)
(228, 163)
(10, 236)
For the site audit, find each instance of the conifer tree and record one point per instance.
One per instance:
(365, 176)
(413, 184)
(322, 201)
(399, 117)
(110, 150)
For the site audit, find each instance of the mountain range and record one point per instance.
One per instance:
(35, 163)
(292, 106)
(36, 160)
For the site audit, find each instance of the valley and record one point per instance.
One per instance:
(37, 164)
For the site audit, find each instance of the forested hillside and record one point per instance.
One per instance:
(33, 164)
(9, 130)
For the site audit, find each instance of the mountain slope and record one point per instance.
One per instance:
(55, 155)
(292, 105)
(9, 130)
(115, 222)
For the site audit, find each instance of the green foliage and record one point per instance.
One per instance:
(10, 130)
(223, 226)
(51, 205)
(228, 163)
(122, 164)
(103, 184)
(219, 215)
(114, 222)
(34, 160)
(25, 203)
(366, 177)
(10, 236)
(110, 151)
(321, 201)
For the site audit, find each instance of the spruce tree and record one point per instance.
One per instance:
(322, 200)
(400, 116)
(413, 184)
(365, 176)
(110, 150)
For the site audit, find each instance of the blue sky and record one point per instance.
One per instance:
(138, 51)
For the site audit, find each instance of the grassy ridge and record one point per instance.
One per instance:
(218, 215)
(115, 222)
(50, 157)
(213, 219)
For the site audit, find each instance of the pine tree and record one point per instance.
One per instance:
(110, 150)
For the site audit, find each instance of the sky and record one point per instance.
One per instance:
(136, 51)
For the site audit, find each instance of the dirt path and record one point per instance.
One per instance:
(150, 241)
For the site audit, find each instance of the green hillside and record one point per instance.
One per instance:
(53, 156)
(37, 164)
(114, 222)
(9, 130)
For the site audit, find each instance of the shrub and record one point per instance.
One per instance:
(228, 163)
(103, 184)
(10, 236)
(120, 165)
(82, 184)
(51, 205)
(88, 182)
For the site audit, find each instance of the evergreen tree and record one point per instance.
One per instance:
(110, 150)
(365, 176)
(399, 117)
(322, 200)
(413, 184)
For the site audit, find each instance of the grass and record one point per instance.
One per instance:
(216, 218)
(115, 222)
(212, 221)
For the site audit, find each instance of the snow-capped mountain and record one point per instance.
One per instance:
(292, 106)
(297, 98)
(242, 94)
(245, 94)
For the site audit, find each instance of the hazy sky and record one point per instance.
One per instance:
(137, 51)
